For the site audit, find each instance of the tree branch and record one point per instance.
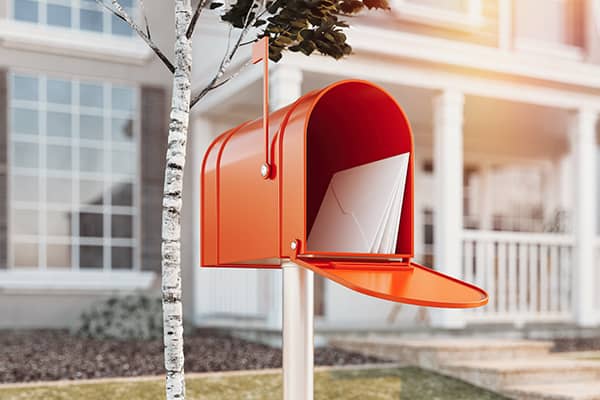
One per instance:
(120, 12)
(145, 19)
(215, 85)
(194, 21)
(230, 54)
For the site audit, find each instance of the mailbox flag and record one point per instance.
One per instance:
(360, 212)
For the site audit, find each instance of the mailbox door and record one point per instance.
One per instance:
(408, 283)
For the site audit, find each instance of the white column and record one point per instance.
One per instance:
(418, 233)
(298, 328)
(583, 140)
(448, 108)
(285, 87)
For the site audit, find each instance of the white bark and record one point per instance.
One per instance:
(172, 201)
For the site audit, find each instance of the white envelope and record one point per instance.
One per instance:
(361, 210)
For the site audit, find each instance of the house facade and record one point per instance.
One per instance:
(83, 123)
(503, 98)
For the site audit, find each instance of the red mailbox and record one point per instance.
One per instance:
(253, 221)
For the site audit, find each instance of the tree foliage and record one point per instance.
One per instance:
(303, 26)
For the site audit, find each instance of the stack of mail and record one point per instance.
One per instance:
(361, 209)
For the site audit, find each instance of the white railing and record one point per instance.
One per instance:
(527, 275)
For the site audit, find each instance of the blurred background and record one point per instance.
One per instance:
(503, 97)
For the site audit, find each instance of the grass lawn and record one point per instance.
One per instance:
(375, 384)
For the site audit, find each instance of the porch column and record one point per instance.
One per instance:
(448, 108)
(285, 87)
(583, 143)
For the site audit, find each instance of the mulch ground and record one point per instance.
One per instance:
(576, 344)
(27, 356)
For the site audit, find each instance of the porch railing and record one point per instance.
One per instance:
(527, 275)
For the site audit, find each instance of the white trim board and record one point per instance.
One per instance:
(466, 55)
(31, 279)
(425, 77)
(38, 38)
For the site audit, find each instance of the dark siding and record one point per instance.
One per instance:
(3, 166)
(153, 152)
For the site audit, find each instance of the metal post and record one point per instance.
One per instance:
(298, 325)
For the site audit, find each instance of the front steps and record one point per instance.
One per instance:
(519, 369)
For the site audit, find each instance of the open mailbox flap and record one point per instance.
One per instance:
(409, 283)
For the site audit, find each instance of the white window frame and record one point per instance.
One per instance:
(72, 42)
(107, 17)
(15, 274)
(470, 19)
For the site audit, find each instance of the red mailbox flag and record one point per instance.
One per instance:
(260, 50)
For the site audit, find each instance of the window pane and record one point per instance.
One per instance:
(58, 223)
(58, 157)
(91, 127)
(59, 190)
(91, 257)
(119, 27)
(59, 91)
(91, 192)
(122, 194)
(90, 225)
(25, 88)
(91, 160)
(59, 15)
(25, 121)
(122, 226)
(122, 130)
(122, 99)
(58, 256)
(26, 254)
(122, 258)
(91, 95)
(123, 162)
(534, 23)
(25, 222)
(26, 10)
(91, 20)
(59, 124)
(25, 188)
(25, 155)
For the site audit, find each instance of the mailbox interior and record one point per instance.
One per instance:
(350, 125)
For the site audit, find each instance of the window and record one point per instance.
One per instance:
(453, 13)
(85, 15)
(556, 27)
(73, 168)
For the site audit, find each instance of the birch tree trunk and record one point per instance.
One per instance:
(172, 202)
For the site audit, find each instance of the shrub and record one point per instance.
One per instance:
(135, 316)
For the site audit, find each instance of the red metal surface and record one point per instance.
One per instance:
(248, 221)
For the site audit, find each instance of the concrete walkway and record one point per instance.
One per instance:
(519, 369)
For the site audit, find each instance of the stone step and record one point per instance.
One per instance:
(500, 374)
(586, 390)
(432, 353)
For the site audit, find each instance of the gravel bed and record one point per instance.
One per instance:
(27, 356)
